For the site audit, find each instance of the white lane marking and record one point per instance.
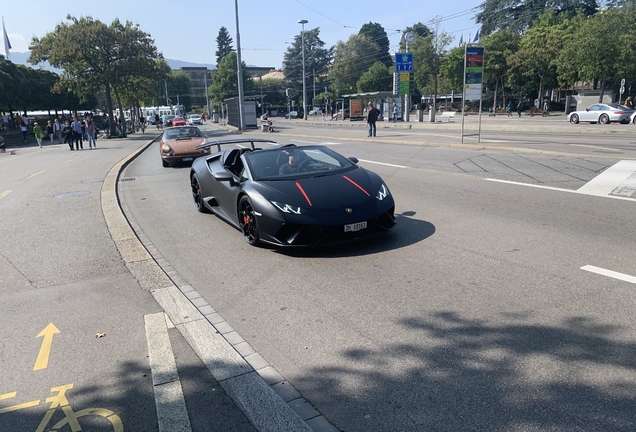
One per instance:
(172, 413)
(596, 147)
(382, 163)
(605, 183)
(610, 273)
(531, 185)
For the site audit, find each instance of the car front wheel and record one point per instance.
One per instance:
(574, 119)
(247, 221)
(604, 119)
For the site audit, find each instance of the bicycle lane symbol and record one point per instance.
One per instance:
(71, 417)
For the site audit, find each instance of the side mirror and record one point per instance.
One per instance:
(354, 160)
(587, 109)
(223, 176)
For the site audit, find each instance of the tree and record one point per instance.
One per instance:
(499, 46)
(451, 70)
(317, 58)
(351, 60)
(224, 80)
(97, 57)
(377, 78)
(600, 61)
(376, 33)
(224, 44)
(518, 15)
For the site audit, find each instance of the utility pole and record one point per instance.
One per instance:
(207, 99)
(165, 83)
(260, 78)
(239, 71)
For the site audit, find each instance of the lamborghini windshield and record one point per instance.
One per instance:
(297, 162)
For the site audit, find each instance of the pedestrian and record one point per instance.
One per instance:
(83, 125)
(519, 107)
(157, 121)
(24, 131)
(395, 112)
(545, 105)
(629, 103)
(203, 118)
(90, 133)
(372, 117)
(25, 119)
(57, 131)
(509, 109)
(37, 131)
(18, 119)
(68, 134)
(49, 130)
(77, 134)
(5, 120)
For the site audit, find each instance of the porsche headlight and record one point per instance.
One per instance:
(166, 148)
(383, 192)
(286, 208)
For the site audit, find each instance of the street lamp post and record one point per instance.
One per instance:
(302, 38)
(239, 72)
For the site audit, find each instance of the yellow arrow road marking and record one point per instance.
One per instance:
(4, 194)
(42, 361)
(37, 173)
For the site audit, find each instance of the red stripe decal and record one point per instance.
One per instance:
(303, 192)
(357, 185)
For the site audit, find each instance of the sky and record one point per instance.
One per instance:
(187, 30)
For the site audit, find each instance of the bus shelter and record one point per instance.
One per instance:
(382, 100)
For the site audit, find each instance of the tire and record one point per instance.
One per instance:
(604, 119)
(634, 120)
(164, 163)
(196, 194)
(574, 119)
(247, 221)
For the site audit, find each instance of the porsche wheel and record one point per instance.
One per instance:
(574, 119)
(196, 194)
(247, 220)
(604, 119)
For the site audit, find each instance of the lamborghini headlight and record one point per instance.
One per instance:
(383, 192)
(286, 208)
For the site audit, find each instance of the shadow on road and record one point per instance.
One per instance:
(509, 374)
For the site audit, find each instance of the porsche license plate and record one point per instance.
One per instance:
(187, 159)
(355, 227)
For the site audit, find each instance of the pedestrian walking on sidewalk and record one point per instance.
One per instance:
(90, 133)
(57, 130)
(395, 112)
(519, 107)
(24, 131)
(77, 134)
(509, 109)
(49, 130)
(37, 131)
(68, 134)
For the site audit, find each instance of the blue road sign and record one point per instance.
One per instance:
(404, 62)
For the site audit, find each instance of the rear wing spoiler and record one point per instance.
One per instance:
(233, 141)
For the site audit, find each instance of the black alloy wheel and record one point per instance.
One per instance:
(574, 119)
(247, 221)
(196, 195)
(604, 119)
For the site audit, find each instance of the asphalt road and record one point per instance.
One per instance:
(483, 309)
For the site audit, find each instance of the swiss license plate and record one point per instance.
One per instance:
(355, 227)
(187, 159)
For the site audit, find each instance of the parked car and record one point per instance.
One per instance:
(195, 119)
(315, 111)
(602, 113)
(291, 114)
(179, 144)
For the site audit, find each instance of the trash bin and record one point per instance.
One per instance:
(215, 117)
(431, 115)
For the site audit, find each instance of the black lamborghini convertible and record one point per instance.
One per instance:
(288, 195)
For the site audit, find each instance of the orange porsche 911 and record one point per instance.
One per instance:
(178, 144)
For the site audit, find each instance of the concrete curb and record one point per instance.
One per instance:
(244, 374)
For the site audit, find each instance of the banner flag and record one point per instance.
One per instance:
(7, 43)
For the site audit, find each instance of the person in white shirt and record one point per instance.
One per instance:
(57, 130)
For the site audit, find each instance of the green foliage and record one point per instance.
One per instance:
(224, 44)
(377, 78)
(518, 15)
(224, 80)
(376, 33)
(451, 70)
(351, 60)
(317, 58)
